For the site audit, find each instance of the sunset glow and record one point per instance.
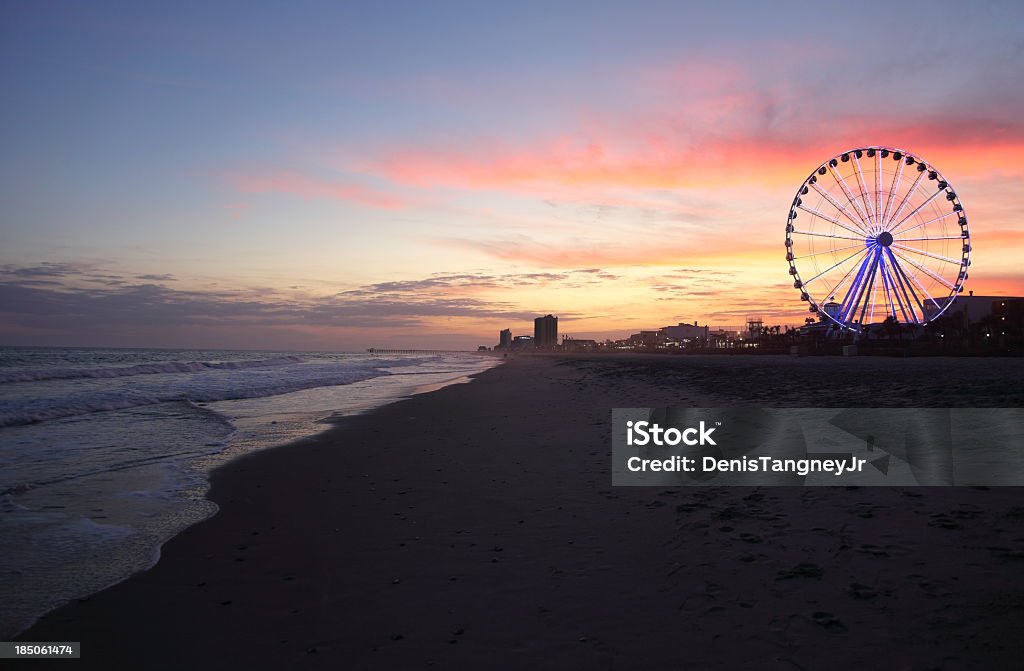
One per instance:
(429, 180)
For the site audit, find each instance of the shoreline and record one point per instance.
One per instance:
(477, 524)
(114, 525)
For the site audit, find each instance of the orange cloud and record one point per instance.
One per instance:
(298, 184)
(702, 249)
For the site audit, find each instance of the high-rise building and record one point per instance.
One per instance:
(545, 332)
(505, 339)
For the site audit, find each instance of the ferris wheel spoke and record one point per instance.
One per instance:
(890, 306)
(908, 305)
(816, 213)
(896, 295)
(865, 222)
(855, 286)
(842, 208)
(878, 187)
(929, 254)
(944, 237)
(868, 203)
(906, 199)
(832, 292)
(923, 269)
(913, 278)
(925, 223)
(861, 285)
(916, 209)
(908, 289)
(893, 190)
(826, 235)
(829, 251)
(874, 293)
(870, 293)
(864, 249)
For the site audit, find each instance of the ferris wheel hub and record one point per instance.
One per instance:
(885, 238)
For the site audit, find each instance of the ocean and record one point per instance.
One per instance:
(105, 453)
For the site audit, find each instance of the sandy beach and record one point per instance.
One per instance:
(476, 527)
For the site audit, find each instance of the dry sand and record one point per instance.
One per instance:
(476, 527)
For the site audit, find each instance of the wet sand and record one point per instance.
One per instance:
(476, 526)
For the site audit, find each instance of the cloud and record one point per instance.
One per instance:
(729, 146)
(760, 113)
(305, 186)
(658, 250)
(437, 281)
(28, 304)
(151, 305)
(46, 269)
(479, 281)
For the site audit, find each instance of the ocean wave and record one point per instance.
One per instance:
(214, 385)
(155, 368)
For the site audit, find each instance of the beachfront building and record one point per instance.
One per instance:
(522, 342)
(972, 309)
(1009, 312)
(645, 340)
(725, 338)
(570, 344)
(988, 319)
(671, 337)
(685, 333)
(545, 332)
(505, 339)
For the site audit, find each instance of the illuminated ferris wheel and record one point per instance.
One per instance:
(877, 234)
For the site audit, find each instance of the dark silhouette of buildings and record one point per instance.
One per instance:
(505, 339)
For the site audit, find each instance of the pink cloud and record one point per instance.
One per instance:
(575, 253)
(653, 156)
(697, 123)
(298, 184)
(685, 125)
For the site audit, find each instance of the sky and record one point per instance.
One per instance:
(336, 176)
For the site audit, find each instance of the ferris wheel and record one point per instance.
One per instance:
(877, 234)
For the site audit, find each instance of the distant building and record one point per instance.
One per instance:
(685, 332)
(755, 325)
(545, 332)
(505, 339)
(970, 308)
(578, 345)
(671, 337)
(522, 342)
(1008, 319)
(725, 338)
(645, 339)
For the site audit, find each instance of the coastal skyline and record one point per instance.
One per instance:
(324, 178)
